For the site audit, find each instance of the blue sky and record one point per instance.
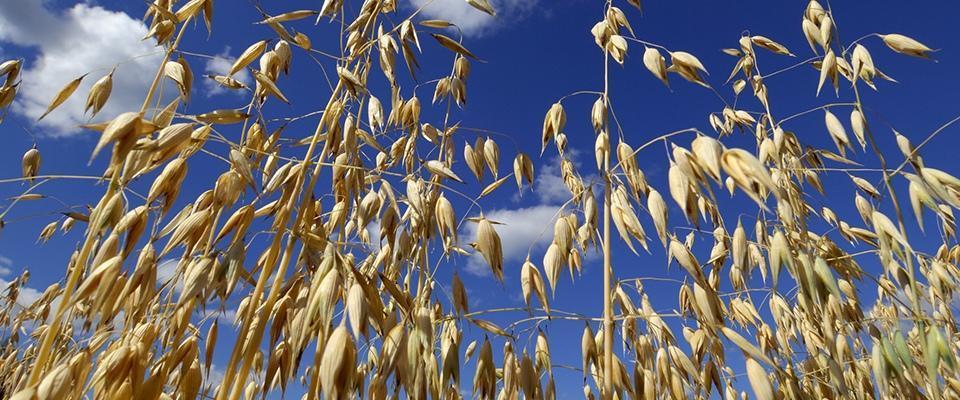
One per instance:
(534, 53)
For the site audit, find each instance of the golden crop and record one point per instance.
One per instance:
(373, 321)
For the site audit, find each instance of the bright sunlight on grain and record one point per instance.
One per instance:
(338, 234)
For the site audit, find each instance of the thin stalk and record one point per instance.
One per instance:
(607, 392)
(253, 341)
(911, 273)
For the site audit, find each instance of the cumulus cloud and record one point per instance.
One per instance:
(522, 227)
(548, 185)
(471, 21)
(72, 42)
(220, 65)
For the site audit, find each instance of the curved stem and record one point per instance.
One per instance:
(802, 113)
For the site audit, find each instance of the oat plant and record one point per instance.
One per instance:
(335, 244)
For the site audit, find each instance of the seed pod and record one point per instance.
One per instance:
(532, 282)
(47, 232)
(553, 124)
(626, 221)
(522, 170)
(31, 164)
(658, 212)
(905, 45)
(63, 95)
(685, 258)
(446, 218)
(656, 64)
(179, 72)
(601, 148)
(491, 154)
(7, 95)
(826, 31)
(825, 276)
(460, 302)
(862, 64)
(99, 94)
(10, 68)
(588, 349)
(122, 129)
(836, 130)
(56, 384)
(688, 66)
(485, 377)
(771, 45)
(248, 55)
(357, 309)
(474, 160)
(488, 244)
(483, 5)
(739, 249)
(759, 380)
(598, 114)
(708, 151)
(779, 254)
(375, 113)
(747, 173)
(828, 69)
(553, 260)
(440, 169)
(920, 197)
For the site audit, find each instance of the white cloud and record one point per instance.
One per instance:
(521, 228)
(471, 21)
(167, 271)
(373, 232)
(69, 43)
(220, 65)
(27, 295)
(548, 186)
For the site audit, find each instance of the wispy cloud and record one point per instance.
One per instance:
(226, 316)
(525, 229)
(474, 22)
(6, 265)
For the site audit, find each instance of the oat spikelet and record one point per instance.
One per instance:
(30, 164)
(336, 369)
(62, 95)
(488, 244)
